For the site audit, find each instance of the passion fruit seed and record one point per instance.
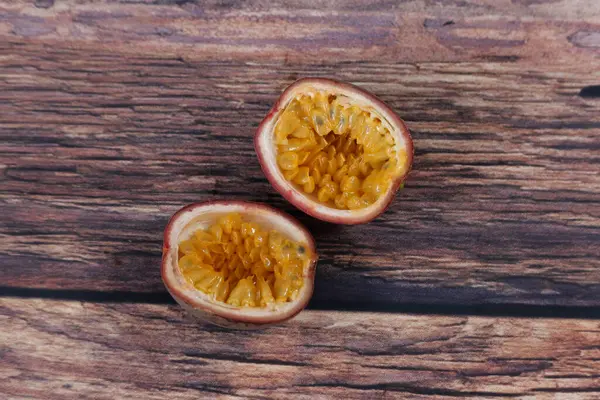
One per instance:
(342, 155)
(241, 263)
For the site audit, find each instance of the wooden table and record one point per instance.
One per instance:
(482, 280)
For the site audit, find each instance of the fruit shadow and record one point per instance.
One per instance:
(317, 228)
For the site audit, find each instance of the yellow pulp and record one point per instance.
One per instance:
(242, 264)
(337, 152)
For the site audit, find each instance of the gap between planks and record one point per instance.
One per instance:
(483, 310)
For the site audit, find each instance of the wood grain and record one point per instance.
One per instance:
(539, 32)
(68, 350)
(113, 115)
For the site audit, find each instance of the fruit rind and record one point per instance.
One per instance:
(202, 305)
(265, 150)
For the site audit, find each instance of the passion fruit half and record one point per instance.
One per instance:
(333, 150)
(238, 264)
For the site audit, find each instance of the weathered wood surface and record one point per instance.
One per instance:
(113, 115)
(67, 350)
(553, 32)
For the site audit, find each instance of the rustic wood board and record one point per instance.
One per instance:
(67, 350)
(114, 115)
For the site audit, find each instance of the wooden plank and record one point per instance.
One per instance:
(105, 135)
(540, 33)
(87, 193)
(62, 350)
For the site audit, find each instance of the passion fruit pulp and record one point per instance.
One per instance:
(334, 150)
(238, 264)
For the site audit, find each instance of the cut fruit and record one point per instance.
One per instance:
(334, 151)
(238, 264)
(242, 263)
